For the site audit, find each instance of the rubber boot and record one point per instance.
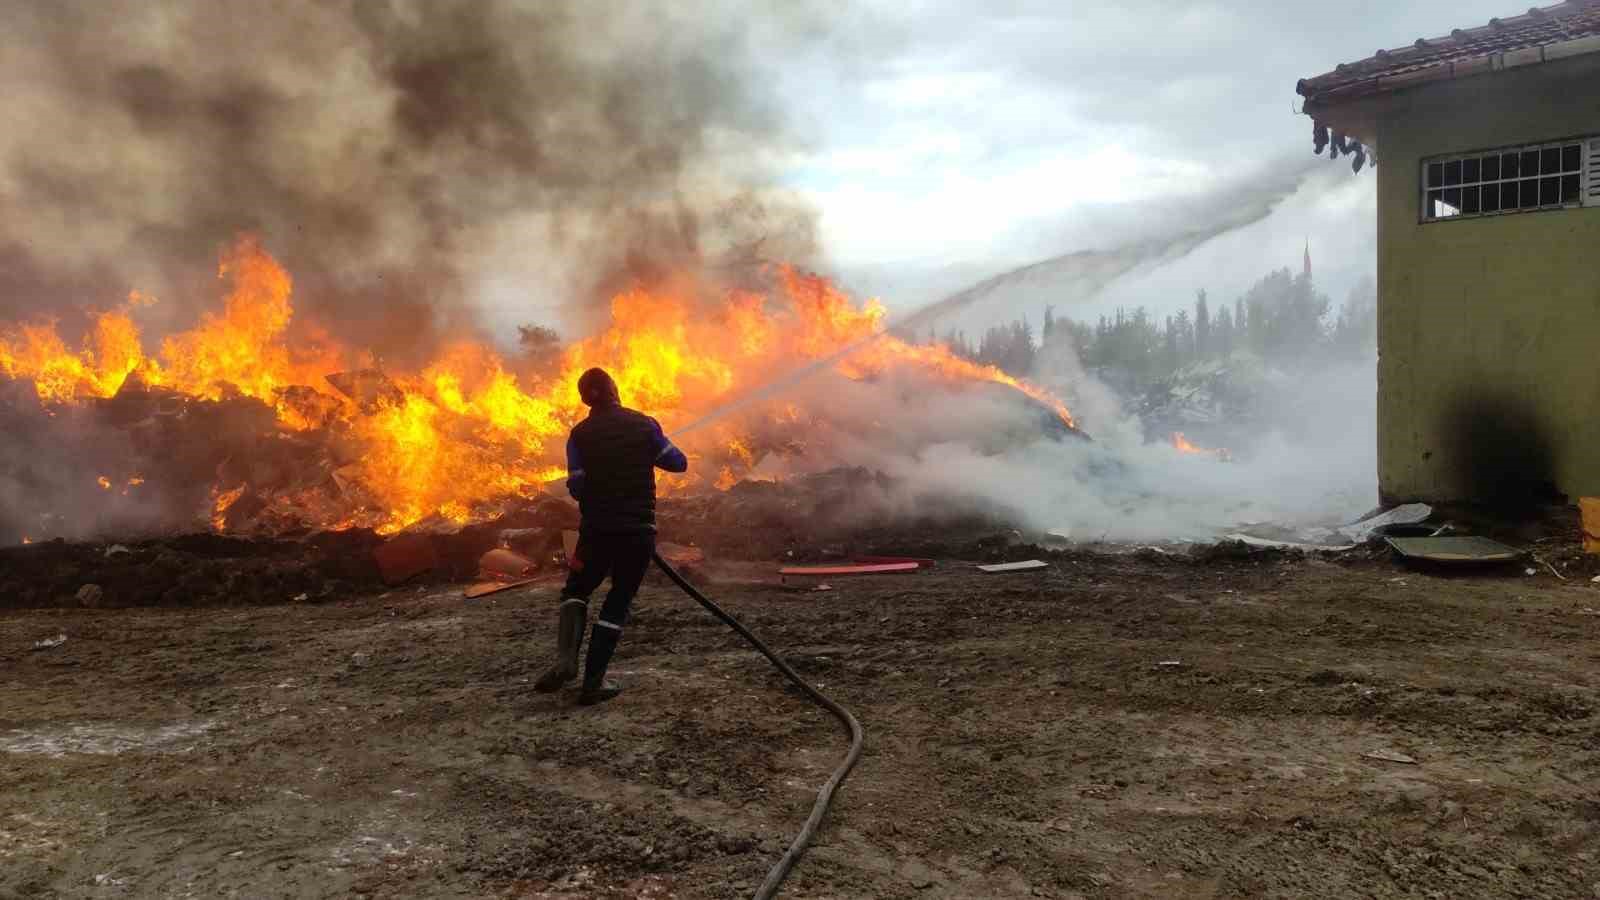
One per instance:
(569, 638)
(596, 689)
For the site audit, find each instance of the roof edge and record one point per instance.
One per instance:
(1449, 70)
(1454, 56)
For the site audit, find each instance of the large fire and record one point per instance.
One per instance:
(467, 430)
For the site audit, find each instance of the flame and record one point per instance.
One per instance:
(222, 501)
(104, 482)
(26, 539)
(466, 430)
(1183, 445)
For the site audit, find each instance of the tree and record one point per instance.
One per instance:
(1186, 340)
(1355, 330)
(1222, 333)
(1202, 327)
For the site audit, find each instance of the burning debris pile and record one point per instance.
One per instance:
(256, 422)
(812, 516)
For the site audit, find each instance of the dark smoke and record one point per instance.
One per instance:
(382, 149)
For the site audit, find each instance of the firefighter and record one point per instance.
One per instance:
(611, 458)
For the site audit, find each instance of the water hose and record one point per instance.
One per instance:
(775, 876)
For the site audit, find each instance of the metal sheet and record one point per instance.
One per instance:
(1024, 566)
(1454, 550)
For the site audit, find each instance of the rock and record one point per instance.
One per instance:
(91, 596)
(360, 660)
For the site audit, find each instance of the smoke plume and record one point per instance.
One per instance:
(388, 152)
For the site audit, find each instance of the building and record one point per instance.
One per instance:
(1487, 146)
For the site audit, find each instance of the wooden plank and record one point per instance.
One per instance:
(485, 588)
(1030, 565)
(844, 571)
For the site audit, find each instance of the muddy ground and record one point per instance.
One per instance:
(1117, 726)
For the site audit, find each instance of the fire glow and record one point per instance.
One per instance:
(466, 429)
(1183, 445)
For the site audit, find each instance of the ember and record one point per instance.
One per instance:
(451, 440)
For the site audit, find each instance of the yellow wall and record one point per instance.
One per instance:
(1488, 329)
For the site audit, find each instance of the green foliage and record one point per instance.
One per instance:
(1282, 319)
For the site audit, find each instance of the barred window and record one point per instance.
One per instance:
(1514, 179)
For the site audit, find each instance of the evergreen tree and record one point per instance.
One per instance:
(1202, 327)
(1222, 332)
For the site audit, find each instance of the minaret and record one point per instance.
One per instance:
(1308, 259)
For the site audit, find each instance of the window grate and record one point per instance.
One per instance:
(1591, 196)
(1552, 175)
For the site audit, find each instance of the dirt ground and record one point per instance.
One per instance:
(1117, 726)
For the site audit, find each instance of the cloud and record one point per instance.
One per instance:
(975, 133)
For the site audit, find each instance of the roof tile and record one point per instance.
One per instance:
(1566, 29)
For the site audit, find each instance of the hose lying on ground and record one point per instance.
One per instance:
(769, 888)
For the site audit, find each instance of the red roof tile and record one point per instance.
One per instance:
(1464, 52)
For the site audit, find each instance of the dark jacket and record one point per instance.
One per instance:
(611, 461)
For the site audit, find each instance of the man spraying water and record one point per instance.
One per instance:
(611, 460)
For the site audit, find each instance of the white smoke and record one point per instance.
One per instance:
(981, 449)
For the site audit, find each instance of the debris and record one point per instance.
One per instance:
(91, 596)
(1548, 566)
(1530, 572)
(1589, 507)
(1390, 756)
(360, 659)
(405, 556)
(823, 571)
(1028, 565)
(1409, 514)
(501, 570)
(485, 588)
(116, 550)
(1457, 550)
(369, 388)
(1266, 543)
(501, 564)
(301, 597)
(47, 643)
(1595, 580)
(1170, 664)
(534, 543)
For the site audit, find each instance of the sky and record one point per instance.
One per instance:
(962, 139)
